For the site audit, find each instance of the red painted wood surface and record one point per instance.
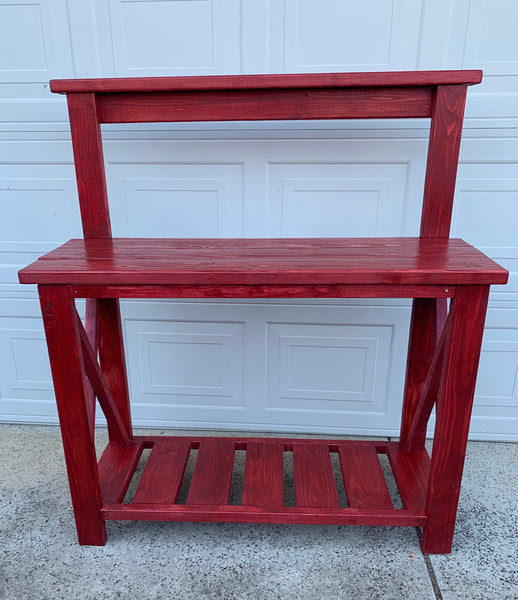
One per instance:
(68, 374)
(112, 359)
(441, 166)
(453, 411)
(421, 349)
(92, 334)
(212, 473)
(264, 476)
(262, 291)
(263, 487)
(313, 475)
(276, 81)
(89, 165)
(116, 467)
(360, 261)
(364, 482)
(271, 105)
(163, 474)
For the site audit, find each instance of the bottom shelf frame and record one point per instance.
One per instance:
(353, 492)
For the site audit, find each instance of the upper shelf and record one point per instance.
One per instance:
(238, 261)
(277, 81)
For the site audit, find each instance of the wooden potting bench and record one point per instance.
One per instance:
(88, 361)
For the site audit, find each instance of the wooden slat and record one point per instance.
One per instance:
(411, 470)
(364, 482)
(116, 467)
(163, 473)
(313, 474)
(264, 477)
(212, 475)
(274, 81)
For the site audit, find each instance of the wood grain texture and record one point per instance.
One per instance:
(259, 514)
(313, 475)
(271, 105)
(421, 350)
(417, 431)
(116, 430)
(304, 261)
(116, 467)
(411, 470)
(262, 291)
(364, 482)
(163, 474)
(89, 165)
(453, 411)
(91, 330)
(264, 476)
(68, 375)
(112, 358)
(275, 81)
(443, 155)
(212, 475)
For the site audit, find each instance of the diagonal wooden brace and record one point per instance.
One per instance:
(92, 330)
(417, 432)
(93, 371)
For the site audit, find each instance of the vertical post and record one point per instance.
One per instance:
(66, 361)
(443, 157)
(93, 200)
(453, 413)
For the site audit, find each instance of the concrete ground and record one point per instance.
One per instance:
(40, 558)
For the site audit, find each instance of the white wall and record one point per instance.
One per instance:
(326, 366)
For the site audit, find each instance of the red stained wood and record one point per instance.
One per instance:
(417, 432)
(276, 81)
(89, 165)
(361, 261)
(453, 411)
(259, 514)
(116, 429)
(264, 476)
(212, 475)
(66, 362)
(429, 269)
(163, 474)
(313, 474)
(112, 359)
(91, 332)
(116, 467)
(411, 471)
(262, 291)
(443, 155)
(364, 482)
(421, 349)
(260, 105)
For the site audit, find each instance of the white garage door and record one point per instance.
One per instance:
(320, 366)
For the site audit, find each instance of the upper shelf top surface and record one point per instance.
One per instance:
(277, 81)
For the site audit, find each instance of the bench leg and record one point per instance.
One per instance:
(453, 413)
(66, 361)
(112, 359)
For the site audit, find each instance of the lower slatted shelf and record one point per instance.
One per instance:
(335, 481)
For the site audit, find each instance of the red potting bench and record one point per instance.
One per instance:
(88, 362)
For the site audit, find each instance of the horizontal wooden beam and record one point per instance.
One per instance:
(266, 104)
